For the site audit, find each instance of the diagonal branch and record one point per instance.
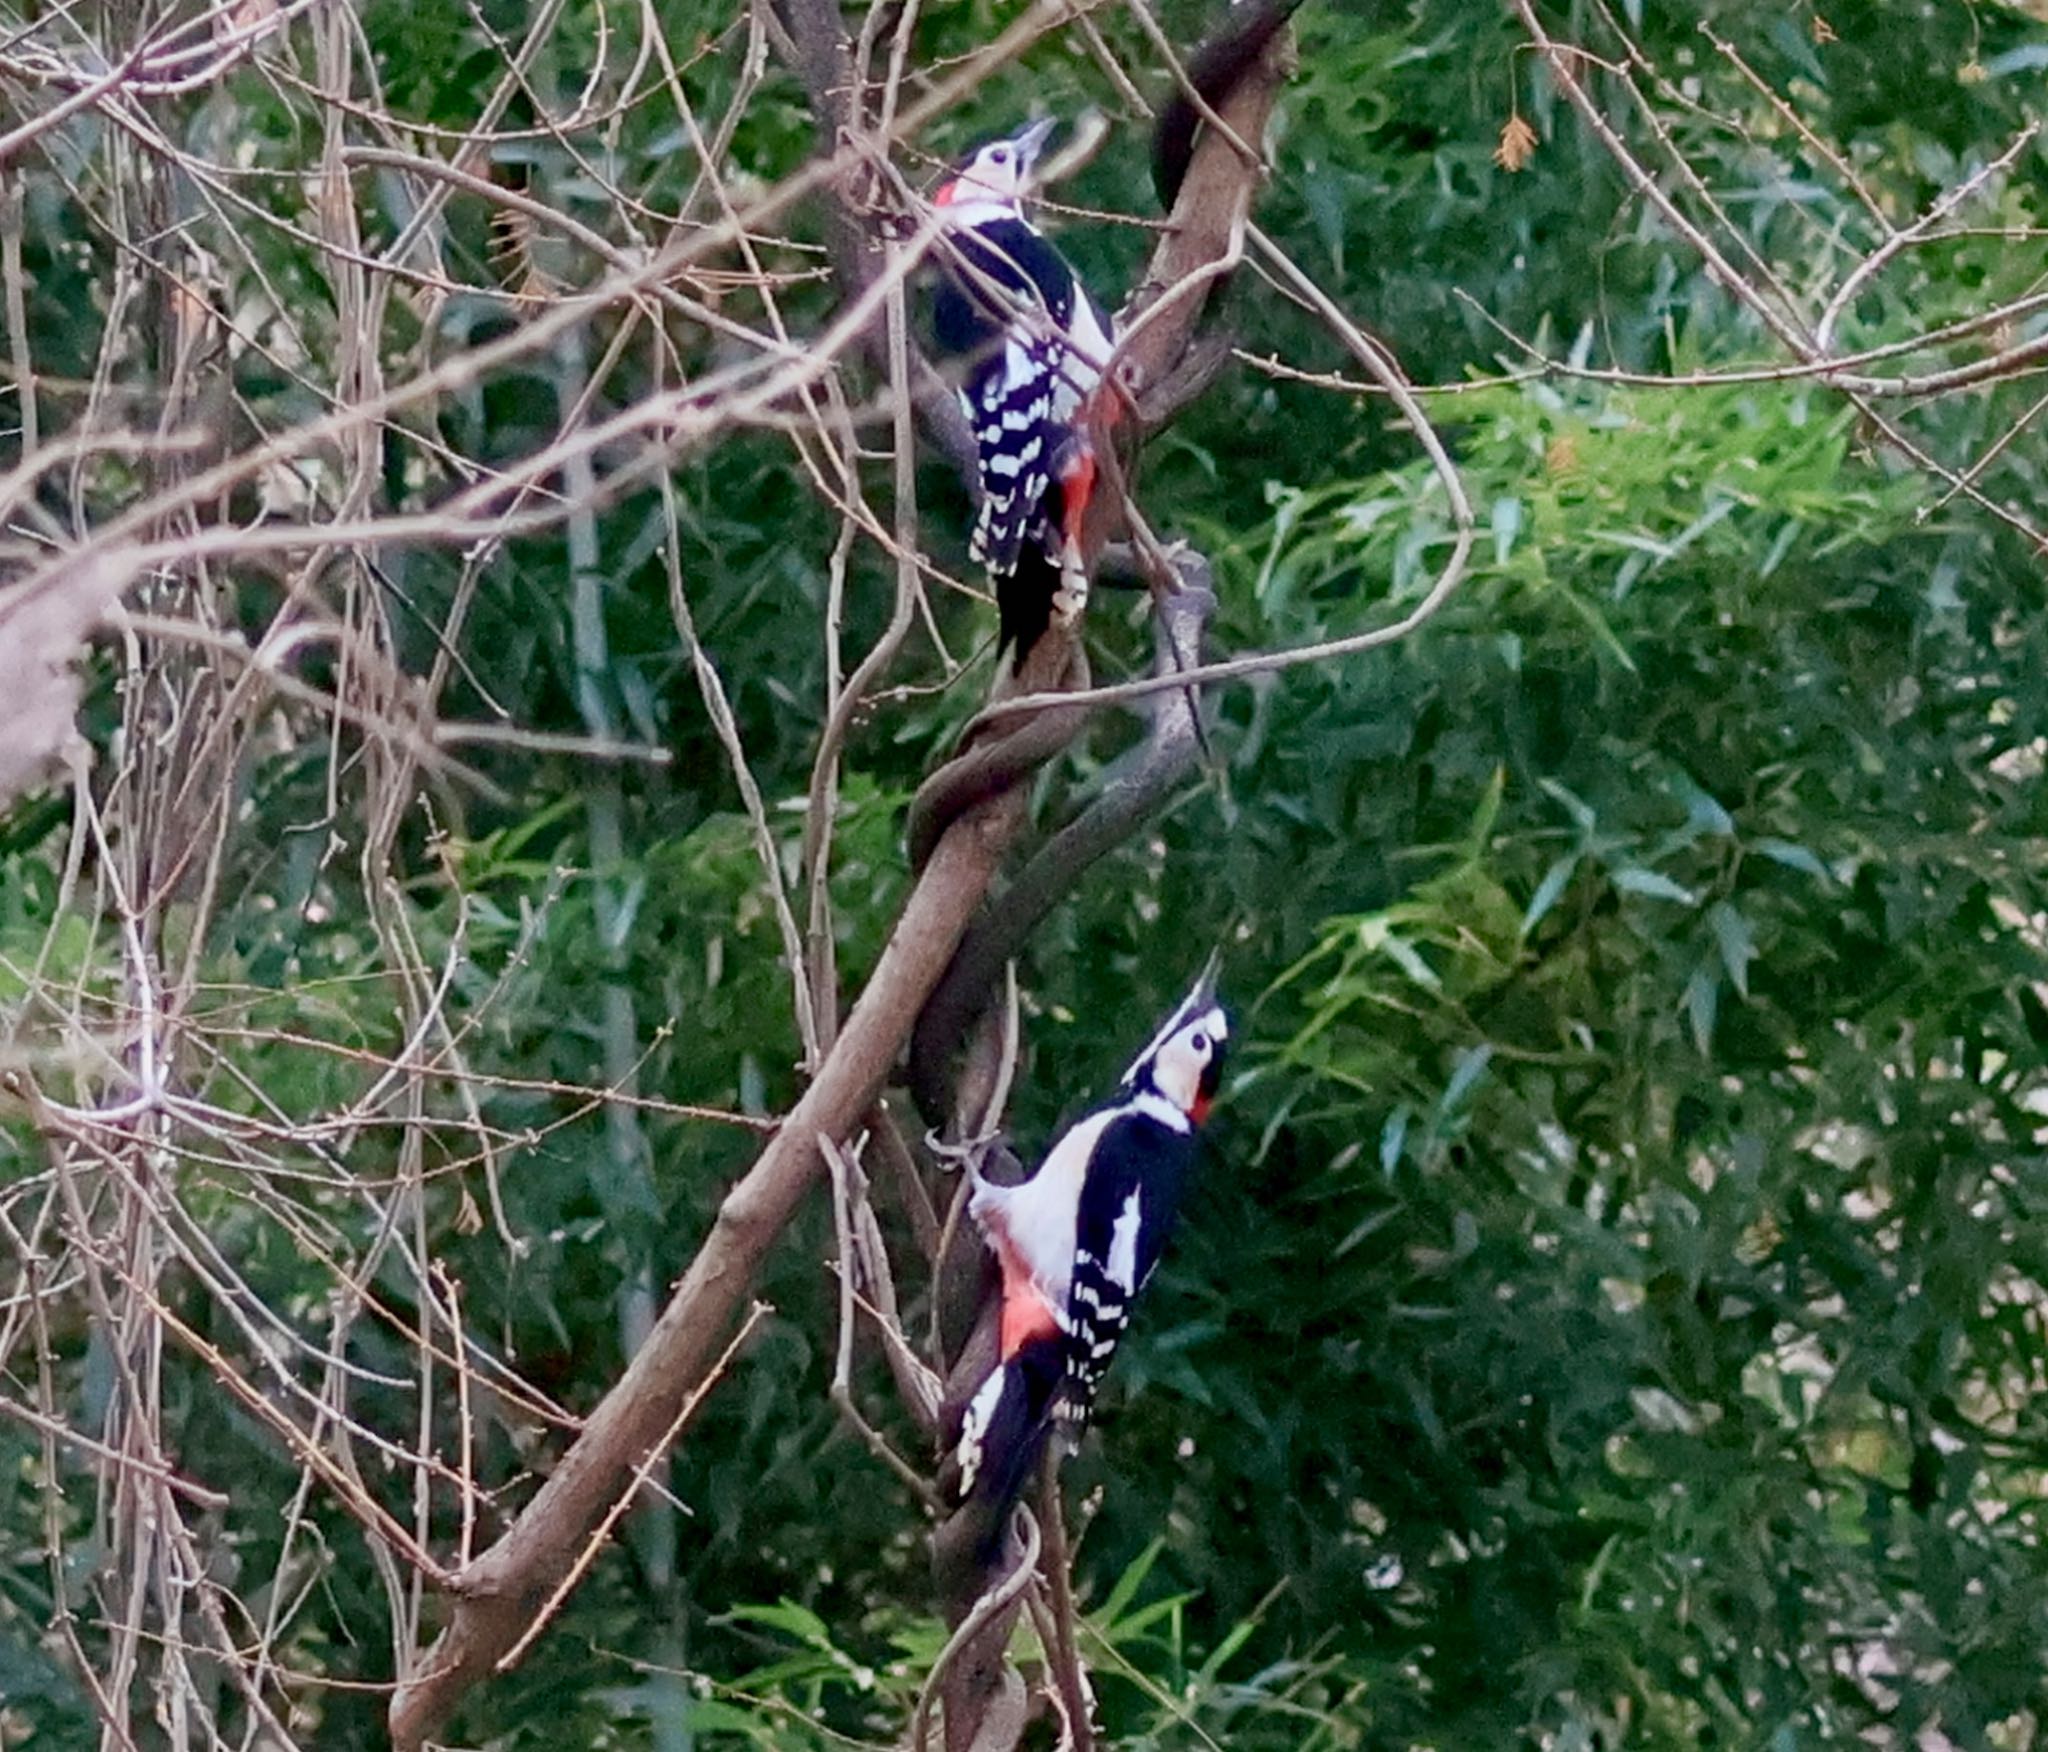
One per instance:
(498, 1594)
(1125, 802)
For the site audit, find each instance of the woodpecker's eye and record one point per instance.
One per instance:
(1001, 155)
(1200, 1043)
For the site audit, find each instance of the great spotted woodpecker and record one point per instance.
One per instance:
(1032, 345)
(1076, 1243)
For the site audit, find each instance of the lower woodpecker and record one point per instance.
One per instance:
(1076, 1243)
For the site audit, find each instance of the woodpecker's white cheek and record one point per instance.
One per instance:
(1179, 1074)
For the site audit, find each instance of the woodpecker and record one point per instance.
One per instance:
(1076, 1243)
(1032, 344)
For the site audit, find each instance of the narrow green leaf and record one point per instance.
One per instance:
(1366, 1229)
(1702, 1002)
(1602, 632)
(1737, 941)
(1393, 1135)
(1128, 1584)
(1576, 807)
(1405, 956)
(1507, 524)
(1549, 892)
(1471, 1067)
(1634, 879)
(1487, 811)
(1703, 812)
(786, 1615)
(1794, 858)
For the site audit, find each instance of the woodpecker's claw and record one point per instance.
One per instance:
(1070, 601)
(967, 1154)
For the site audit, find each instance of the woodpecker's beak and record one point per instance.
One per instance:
(1204, 993)
(1032, 141)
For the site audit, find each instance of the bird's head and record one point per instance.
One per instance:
(1184, 1062)
(997, 174)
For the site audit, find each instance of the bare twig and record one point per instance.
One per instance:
(985, 1617)
(642, 1471)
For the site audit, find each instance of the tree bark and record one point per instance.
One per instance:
(498, 1595)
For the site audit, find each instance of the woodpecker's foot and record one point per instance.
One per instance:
(1070, 600)
(969, 1154)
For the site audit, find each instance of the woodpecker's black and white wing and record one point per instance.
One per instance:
(1006, 315)
(1128, 1208)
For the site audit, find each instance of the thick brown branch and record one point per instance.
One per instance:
(1126, 800)
(499, 1593)
(1205, 231)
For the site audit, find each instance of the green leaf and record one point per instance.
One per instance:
(1738, 943)
(1507, 524)
(1549, 891)
(1393, 1134)
(1471, 1067)
(1410, 962)
(1128, 1584)
(1702, 1002)
(786, 1615)
(1794, 857)
(1634, 879)
(1581, 812)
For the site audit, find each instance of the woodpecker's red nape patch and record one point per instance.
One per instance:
(1199, 1113)
(946, 193)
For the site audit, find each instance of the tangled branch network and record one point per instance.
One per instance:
(327, 373)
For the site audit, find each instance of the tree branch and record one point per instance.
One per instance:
(821, 56)
(497, 1595)
(1125, 801)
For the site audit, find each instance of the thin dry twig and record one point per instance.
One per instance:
(642, 1472)
(232, 491)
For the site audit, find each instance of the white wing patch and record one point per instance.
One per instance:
(1123, 1246)
(1019, 366)
(1080, 364)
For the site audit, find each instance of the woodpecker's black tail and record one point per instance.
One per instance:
(1002, 1436)
(1024, 596)
(1213, 70)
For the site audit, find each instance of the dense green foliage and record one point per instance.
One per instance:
(1612, 1311)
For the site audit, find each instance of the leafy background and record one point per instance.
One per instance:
(1613, 1308)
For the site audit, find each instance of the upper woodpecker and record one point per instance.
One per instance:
(1076, 1243)
(1034, 345)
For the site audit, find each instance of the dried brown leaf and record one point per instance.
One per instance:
(1517, 145)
